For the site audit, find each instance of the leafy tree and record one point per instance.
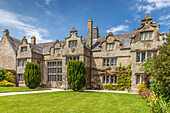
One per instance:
(159, 68)
(32, 75)
(76, 75)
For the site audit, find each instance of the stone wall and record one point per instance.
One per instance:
(7, 55)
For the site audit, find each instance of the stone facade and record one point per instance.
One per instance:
(97, 52)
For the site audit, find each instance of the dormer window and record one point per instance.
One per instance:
(110, 46)
(57, 51)
(73, 43)
(146, 35)
(23, 49)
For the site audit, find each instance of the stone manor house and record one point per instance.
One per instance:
(97, 52)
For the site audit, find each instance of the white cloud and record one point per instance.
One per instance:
(44, 8)
(151, 5)
(118, 28)
(164, 17)
(47, 2)
(11, 19)
(48, 12)
(127, 21)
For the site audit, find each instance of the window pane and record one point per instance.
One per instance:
(138, 79)
(146, 36)
(103, 79)
(110, 46)
(143, 56)
(107, 47)
(107, 80)
(154, 53)
(149, 54)
(25, 62)
(111, 62)
(150, 35)
(111, 80)
(141, 36)
(115, 79)
(108, 62)
(113, 46)
(115, 61)
(104, 62)
(138, 57)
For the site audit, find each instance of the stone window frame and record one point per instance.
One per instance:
(73, 58)
(140, 77)
(104, 79)
(72, 43)
(20, 77)
(57, 50)
(54, 70)
(144, 34)
(24, 49)
(110, 47)
(110, 63)
(23, 62)
(153, 53)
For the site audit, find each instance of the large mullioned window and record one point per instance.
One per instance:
(141, 56)
(22, 62)
(109, 79)
(54, 71)
(110, 62)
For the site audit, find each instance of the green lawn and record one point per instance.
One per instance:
(73, 102)
(18, 89)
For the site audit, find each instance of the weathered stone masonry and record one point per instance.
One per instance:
(97, 52)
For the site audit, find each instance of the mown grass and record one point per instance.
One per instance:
(73, 102)
(19, 89)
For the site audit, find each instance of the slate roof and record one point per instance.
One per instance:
(14, 42)
(124, 39)
(44, 48)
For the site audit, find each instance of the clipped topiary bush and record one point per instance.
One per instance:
(32, 75)
(76, 75)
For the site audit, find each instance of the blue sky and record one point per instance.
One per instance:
(49, 20)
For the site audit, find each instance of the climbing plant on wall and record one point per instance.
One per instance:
(123, 79)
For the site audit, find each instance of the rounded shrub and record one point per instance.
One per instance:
(32, 75)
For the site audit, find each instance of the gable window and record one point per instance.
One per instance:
(23, 49)
(110, 46)
(73, 43)
(57, 51)
(146, 35)
(141, 56)
(110, 62)
(22, 62)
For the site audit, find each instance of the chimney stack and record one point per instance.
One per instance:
(6, 33)
(96, 32)
(33, 40)
(89, 32)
